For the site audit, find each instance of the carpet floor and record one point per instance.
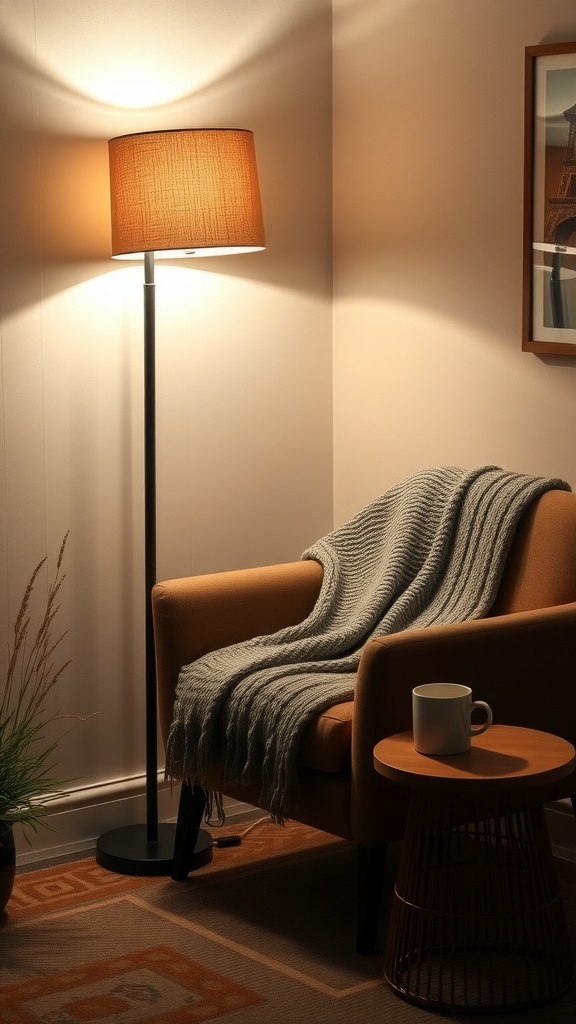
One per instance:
(262, 935)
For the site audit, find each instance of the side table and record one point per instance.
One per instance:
(477, 923)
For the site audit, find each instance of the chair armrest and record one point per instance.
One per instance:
(199, 614)
(522, 664)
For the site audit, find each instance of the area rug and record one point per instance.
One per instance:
(263, 935)
(83, 880)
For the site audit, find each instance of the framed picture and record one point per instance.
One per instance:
(549, 280)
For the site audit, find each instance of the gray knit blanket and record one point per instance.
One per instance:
(430, 550)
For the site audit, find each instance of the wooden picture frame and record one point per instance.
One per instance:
(549, 270)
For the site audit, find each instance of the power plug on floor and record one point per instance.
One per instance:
(223, 842)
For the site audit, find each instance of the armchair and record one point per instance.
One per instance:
(521, 659)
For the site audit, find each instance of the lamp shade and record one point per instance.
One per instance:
(187, 192)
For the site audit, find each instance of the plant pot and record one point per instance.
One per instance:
(7, 863)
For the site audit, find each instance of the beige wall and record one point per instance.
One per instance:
(243, 343)
(428, 176)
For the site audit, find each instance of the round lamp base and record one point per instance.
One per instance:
(127, 850)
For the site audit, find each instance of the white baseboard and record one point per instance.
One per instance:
(76, 820)
(562, 829)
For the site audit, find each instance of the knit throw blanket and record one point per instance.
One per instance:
(430, 550)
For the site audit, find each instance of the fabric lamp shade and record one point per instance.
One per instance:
(187, 192)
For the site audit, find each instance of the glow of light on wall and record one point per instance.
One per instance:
(157, 53)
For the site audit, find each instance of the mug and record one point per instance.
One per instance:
(441, 716)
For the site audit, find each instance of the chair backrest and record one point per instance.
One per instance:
(541, 567)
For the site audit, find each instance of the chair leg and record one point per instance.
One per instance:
(190, 811)
(371, 870)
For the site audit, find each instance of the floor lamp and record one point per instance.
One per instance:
(174, 194)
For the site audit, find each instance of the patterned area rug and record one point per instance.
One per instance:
(82, 881)
(263, 935)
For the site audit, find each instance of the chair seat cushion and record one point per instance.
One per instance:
(327, 740)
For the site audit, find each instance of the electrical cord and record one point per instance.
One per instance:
(235, 840)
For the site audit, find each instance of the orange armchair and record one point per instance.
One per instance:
(521, 659)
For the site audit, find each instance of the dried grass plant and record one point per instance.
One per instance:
(27, 764)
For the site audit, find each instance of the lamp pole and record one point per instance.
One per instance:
(150, 543)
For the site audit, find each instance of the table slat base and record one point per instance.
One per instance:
(477, 923)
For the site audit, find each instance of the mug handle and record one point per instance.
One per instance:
(475, 730)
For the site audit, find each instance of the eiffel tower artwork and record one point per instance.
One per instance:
(560, 233)
(561, 219)
(549, 294)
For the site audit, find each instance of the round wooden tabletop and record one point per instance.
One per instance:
(503, 757)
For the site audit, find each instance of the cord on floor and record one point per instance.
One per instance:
(235, 840)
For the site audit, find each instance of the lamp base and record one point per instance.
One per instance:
(127, 850)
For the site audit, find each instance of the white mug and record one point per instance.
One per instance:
(441, 716)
